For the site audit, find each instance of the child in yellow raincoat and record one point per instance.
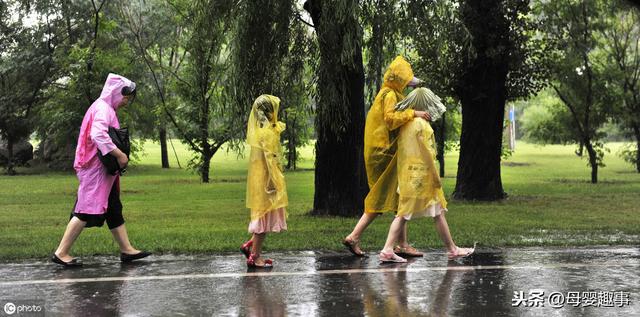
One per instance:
(380, 144)
(419, 186)
(266, 188)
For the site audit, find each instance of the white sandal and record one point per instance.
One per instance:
(461, 252)
(391, 258)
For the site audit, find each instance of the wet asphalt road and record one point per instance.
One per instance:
(336, 284)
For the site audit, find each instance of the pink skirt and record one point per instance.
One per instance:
(432, 211)
(273, 221)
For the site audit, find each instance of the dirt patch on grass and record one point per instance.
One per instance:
(515, 164)
(132, 191)
(586, 181)
(228, 180)
(630, 171)
(196, 180)
(522, 198)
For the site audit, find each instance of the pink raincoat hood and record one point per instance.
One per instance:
(112, 90)
(112, 96)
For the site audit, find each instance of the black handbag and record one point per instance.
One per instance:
(120, 138)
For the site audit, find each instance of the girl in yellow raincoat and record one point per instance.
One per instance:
(380, 144)
(419, 186)
(266, 188)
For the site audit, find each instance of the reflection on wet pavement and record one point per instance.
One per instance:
(330, 284)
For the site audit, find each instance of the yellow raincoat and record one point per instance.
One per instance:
(266, 188)
(419, 184)
(380, 138)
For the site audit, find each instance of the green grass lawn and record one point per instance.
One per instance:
(550, 202)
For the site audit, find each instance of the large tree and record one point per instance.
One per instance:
(204, 116)
(340, 182)
(158, 35)
(88, 47)
(501, 62)
(622, 43)
(579, 80)
(25, 66)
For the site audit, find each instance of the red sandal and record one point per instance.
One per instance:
(246, 248)
(251, 262)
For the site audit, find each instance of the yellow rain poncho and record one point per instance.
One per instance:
(266, 188)
(380, 138)
(419, 184)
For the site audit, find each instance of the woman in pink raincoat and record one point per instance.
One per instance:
(99, 192)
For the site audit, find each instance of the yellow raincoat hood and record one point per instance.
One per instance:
(264, 115)
(398, 75)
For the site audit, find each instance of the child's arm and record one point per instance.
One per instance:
(395, 119)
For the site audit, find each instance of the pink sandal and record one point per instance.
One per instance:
(461, 252)
(390, 258)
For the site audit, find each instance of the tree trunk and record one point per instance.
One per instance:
(636, 132)
(164, 153)
(10, 168)
(292, 144)
(482, 92)
(292, 155)
(340, 179)
(593, 160)
(580, 149)
(440, 145)
(204, 168)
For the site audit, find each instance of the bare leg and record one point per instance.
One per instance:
(366, 219)
(395, 232)
(402, 236)
(120, 235)
(443, 230)
(258, 240)
(74, 228)
(352, 241)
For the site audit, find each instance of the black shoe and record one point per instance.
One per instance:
(126, 258)
(73, 263)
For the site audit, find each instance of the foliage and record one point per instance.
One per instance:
(621, 41)
(203, 115)
(545, 120)
(382, 22)
(282, 47)
(629, 153)
(578, 76)
(26, 64)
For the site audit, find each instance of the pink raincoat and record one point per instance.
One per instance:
(95, 182)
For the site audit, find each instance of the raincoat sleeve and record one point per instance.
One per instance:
(392, 118)
(272, 161)
(100, 131)
(272, 168)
